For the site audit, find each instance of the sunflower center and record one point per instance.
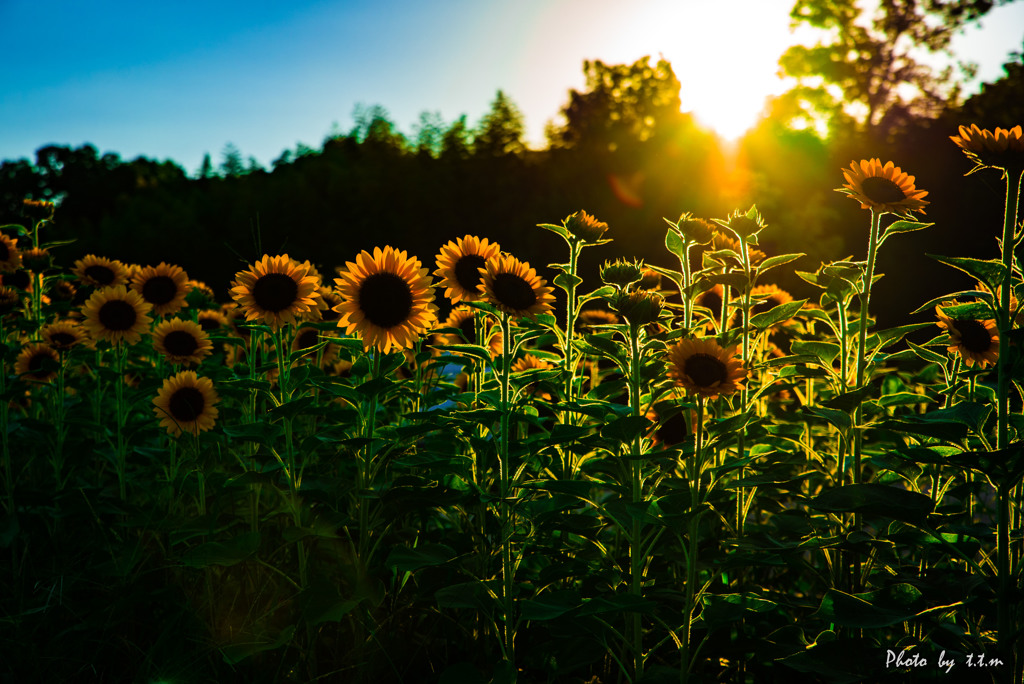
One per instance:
(180, 343)
(513, 291)
(712, 300)
(62, 340)
(467, 271)
(101, 274)
(974, 336)
(5, 253)
(766, 305)
(19, 279)
(117, 314)
(186, 404)
(208, 323)
(468, 327)
(159, 290)
(35, 365)
(674, 430)
(882, 190)
(705, 370)
(307, 338)
(385, 299)
(275, 292)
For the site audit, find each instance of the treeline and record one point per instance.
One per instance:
(623, 151)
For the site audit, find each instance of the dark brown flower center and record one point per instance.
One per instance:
(468, 328)
(467, 272)
(974, 336)
(674, 430)
(705, 370)
(329, 314)
(159, 290)
(882, 190)
(117, 314)
(62, 340)
(180, 343)
(208, 323)
(385, 299)
(36, 365)
(275, 292)
(5, 252)
(19, 279)
(513, 291)
(186, 404)
(712, 300)
(309, 337)
(103, 275)
(766, 305)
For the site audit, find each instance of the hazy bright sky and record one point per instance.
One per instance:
(179, 79)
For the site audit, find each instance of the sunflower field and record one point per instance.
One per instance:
(675, 476)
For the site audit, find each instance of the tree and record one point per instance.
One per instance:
(999, 103)
(429, 133)
(206, 169)
(455, 141)
(867, 77)
(500, 132)
(622, 103)
(232, 165)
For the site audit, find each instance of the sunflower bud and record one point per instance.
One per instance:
(586, 227)
(639, 307)
(37, 259)
(744, 225)
(38, 210)
(621, 273)
(695, 229)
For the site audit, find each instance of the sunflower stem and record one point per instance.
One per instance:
(5, 447)
(507, 569)
(120, 356)
(694, 475)
(636, 560)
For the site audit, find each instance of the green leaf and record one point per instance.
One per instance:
(625, 429)
(926, 354)
(222, 553)
(835, 417)
(777, 260)
(782, 312)
(890, 336)
(989, 271)
(620, 603)
(737, 281)
(556, 229)
(876, 500)
(473, 350)
(475, 594)
(971, 310)
(405, 559)
(567, 281)
(871, 610)
(550, 605)
(721, 609)
(825, 351)
(902, 227)
(674, 244)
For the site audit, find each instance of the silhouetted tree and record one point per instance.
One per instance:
(206, 169)
(501, 130)
(455, 141)
(232, 164)
(429, 132)
(999, 103)
(867, 76)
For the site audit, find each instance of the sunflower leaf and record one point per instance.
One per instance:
(738, 281)
(890, 336)
(780, 313)
(973, 310)
(938, 301)
(777, 260)
(989, 271)
(567, 281)
(674, 244)
(556, 229)
(825, 351)
(902, 227)
(926, 354)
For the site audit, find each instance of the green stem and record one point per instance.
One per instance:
(694, 476)
(120, 355)
(636, 560)
(507, 570)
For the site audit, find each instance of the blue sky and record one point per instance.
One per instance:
(179, 79)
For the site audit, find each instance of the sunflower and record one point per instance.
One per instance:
(530, 362)
(515, 288)
(235, 316)
(37, 363)
(712, 299)
(316, 312)
(308, 337)
(882, 188)
(459, 264)
(199, 295)
(211, 320)
(164, 286)
(9, 299)
(116, 314)
(274, 290)
(387, 298)
(672, 430)
(975, 341)
(19, 279)
(37, 259)
(63, 335)
(39, 210)
(186, 403)
(61, 290)
(100, 271)
(462, 318)
(588, 318)
(703, 367)
(182, 341)
(1002, 150)
(10, 257)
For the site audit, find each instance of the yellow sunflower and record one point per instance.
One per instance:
(39, 210)
(308, 337)
(186, 403)
(10, 257)
(116, 314)
(883, 188)
(387, 299)
(530, 362)
(275, 290)
(712, 299)
(515, 288)
(1002, 149)
(181, 341)
(37, 363)
(63, 335)
(199, 295)
(673, 430)
(164, 287)
(61, 290)
(766, 298)
(588, 318)
(9, 299)
(702, 366)
(36, 259)
(459, 264)
(212, 320)
(100, 271)
(462, 318)
(975, 341)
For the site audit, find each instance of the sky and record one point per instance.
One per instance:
(177, 80)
